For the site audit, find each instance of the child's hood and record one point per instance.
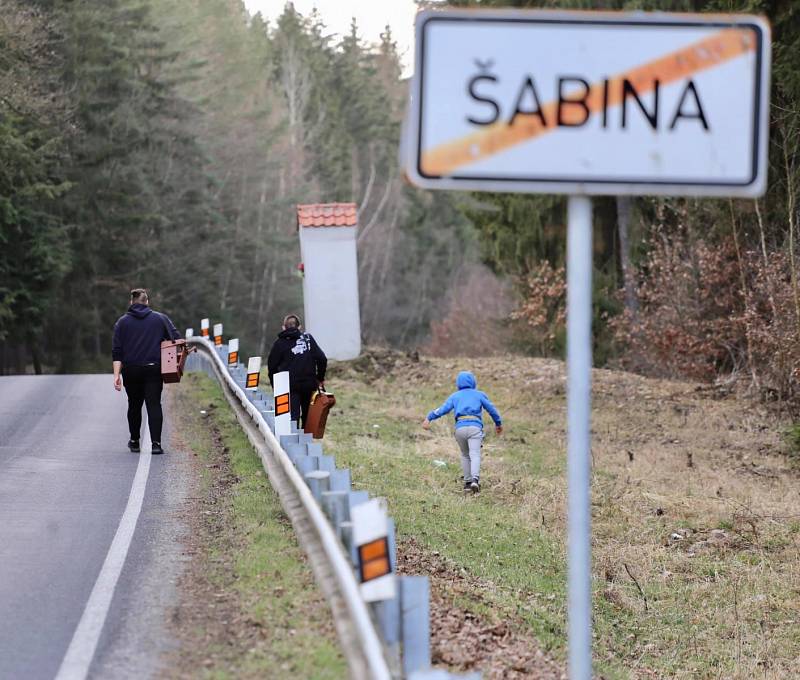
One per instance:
(466, 380)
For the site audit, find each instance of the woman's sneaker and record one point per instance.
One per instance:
(467, 485)
(156, 448)
(475, 485)
(133, 445)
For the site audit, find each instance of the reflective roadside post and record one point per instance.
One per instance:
(233, 352)
(218, 334)
(283, 404)
(582, 104)
(204, 327)
(371, 538)
(253, 373)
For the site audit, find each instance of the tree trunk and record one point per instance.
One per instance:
(35, 356)
(791, 206)
(623, 225)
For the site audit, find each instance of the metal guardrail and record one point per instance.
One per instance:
(365, 630)
(320, 495)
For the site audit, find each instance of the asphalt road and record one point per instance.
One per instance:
(66, 476)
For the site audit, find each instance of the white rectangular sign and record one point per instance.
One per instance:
(590, 103)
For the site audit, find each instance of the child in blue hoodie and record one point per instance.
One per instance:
(467, 404)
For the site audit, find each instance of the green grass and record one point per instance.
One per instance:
(712, 610)
(273, 583)
(480, 534)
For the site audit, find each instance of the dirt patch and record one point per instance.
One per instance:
(207, 623)
(465, 641)
(249, 605)
(376, 363)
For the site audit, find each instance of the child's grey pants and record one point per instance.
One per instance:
(469, 440)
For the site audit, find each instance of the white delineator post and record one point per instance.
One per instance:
(233, 352)
(283, 404)
(370, 535)
(253, 373)
(204, 327)
(579, 397)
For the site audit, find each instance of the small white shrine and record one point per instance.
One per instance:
(330, 276)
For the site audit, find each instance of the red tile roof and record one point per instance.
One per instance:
(327, 215)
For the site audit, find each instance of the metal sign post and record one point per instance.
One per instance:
(579, 396)
(588, 103)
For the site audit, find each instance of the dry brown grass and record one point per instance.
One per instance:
(696, 511)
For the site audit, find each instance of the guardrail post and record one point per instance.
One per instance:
(346, 529)
(340, 479)
(296, 451)
(318, 482)
(286, 439)
(334, 504)
(326, 463)
(305, 464)
(387, 612)
(415, 608)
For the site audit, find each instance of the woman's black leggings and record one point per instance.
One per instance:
(143, 385)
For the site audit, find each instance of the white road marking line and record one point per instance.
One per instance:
(80, 653)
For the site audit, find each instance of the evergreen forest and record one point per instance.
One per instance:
(165, 143)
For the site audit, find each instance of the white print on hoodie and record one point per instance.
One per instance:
(302, 345)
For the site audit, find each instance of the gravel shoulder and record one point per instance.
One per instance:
(248, 604)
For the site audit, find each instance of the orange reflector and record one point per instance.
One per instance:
(374, 559)
(252, 379)
(369, 551)
(205, 332)
(217, 340)
(282, 404)
(375, 569)
(233, 357)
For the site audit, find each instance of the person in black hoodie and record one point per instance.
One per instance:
(297, 352)
(136, 353)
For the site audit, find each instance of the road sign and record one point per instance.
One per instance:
(590, 103)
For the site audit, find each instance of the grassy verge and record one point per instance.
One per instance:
(256, 611)
(695, 513)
